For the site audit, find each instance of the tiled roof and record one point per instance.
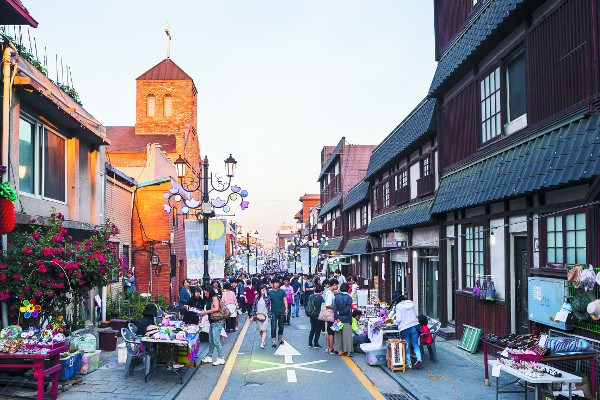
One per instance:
(412, 215)
(356, 195)
(330, 159)
(331, 205)
(356, 245)
(123, 138)
(332, 244)
(164, 71)
(552, 157)
(478, 30)
(13, 12)
(410, 129)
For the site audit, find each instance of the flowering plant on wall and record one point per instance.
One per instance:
(46, 264)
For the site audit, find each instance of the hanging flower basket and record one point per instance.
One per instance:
(7, 210)
(7, 216)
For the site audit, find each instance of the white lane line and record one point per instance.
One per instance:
(291, 375)
(297, 366)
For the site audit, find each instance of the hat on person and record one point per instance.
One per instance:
(397, 296)
(593, 309)
(574, 276)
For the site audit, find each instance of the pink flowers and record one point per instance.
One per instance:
(4, 295)
(86, 247)
(61, 274)
(78, 275)
(38, 294)
(35, 235)
(17, 276)
(50, 294)
(2, 277)
(32, 221)
(60, 285)
(57, 239)
(42, 268)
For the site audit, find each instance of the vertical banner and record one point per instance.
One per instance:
(194, 243)
(304, 259)
(252, 267)
(314, 259)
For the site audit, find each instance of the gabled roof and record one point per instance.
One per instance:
(481, 27)
(333, 203)
(123, 138)
(415, 125)
(165, 70)
(332, 244)
(555, 156)
(356, 195)
(330, 159)
(415, 214)
(13, 12)
(356, 245)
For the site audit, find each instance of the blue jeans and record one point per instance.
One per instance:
(214, 339)
(411, 336)
(296, 304)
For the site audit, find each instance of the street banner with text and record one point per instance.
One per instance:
(194, 238)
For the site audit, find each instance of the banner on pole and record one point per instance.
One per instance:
(304, 259)
(194, 243)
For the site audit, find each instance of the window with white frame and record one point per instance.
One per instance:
(473, 254)
(427, 165)
(375, 198)
(516, 95)
(386, 194)
(566, 239)
(168, 105)
(352, 220)
(42, 161)
(363, 215)
(150, 105)
(490, 106)
(402, 179)
(359, 222)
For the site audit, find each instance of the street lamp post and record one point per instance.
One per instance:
(204, 210)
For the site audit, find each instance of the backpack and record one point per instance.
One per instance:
(310, 309)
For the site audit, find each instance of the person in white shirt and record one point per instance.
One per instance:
(340, 278)
(408, 322)
(329, 297)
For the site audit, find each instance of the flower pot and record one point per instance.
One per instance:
(104, 324)
(7, 216)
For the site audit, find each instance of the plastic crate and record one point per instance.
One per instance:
(90, 362)
(377, 356)
(67, 369)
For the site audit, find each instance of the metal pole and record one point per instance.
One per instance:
(309, 257)
(206, 277)
(248, 245)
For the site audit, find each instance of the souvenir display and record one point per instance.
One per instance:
(512, 341)
(531, 369)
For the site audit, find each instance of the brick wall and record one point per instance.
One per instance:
(151, 226)
(126, 159)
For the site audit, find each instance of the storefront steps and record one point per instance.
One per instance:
(448, 333)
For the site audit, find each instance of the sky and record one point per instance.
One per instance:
(277, 80)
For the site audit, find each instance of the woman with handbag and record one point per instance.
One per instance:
(214, 332)
(342, 311)
(230, 302)
(261, 313)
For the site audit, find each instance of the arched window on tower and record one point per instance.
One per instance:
(168, 105)
(150, 105)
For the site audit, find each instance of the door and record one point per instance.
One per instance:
(428, 271)
(454, 274)
(520, 263)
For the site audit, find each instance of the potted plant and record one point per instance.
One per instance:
(7, 210)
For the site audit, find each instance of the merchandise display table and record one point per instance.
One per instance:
(567, 378)
(37, 361)
(192, 346)
(556, 357)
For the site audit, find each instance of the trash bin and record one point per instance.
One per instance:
(107, 339)
(118, 324)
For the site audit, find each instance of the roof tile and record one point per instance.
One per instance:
(414, 214)
(356, 195)
(356, 245)
(330, 205)
(124, 138)
(165, 70)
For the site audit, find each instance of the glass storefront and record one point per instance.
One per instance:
(428, 261)
(400, 269)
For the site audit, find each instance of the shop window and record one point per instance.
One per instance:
(566, 239)
(474, 260)
(490, 106)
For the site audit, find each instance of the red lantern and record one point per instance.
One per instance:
(7, 216)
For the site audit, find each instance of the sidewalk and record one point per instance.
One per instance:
(464, 369)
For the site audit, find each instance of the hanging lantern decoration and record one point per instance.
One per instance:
(7, 209)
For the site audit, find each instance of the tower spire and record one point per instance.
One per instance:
(168, 32)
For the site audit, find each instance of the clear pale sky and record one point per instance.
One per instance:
(277, 80)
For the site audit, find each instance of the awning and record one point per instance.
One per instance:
(333, 203)
(356, 245)
(412, 215)
(332, 244)
(552, 157)
(477, 31)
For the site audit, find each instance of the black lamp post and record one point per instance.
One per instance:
(204, 210)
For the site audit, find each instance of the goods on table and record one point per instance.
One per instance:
(566, 344)
(531, 369)
(14, 340)
(512, 341)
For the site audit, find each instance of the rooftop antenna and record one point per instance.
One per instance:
(168, 32)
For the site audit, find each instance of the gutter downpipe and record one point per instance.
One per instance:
(6, 86)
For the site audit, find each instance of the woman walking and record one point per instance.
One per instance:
(261, 313)
(250, 293)
(214, 332)
(342, 310)
(230, 302)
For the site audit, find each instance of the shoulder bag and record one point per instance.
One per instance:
(221, 314)
(326, 314)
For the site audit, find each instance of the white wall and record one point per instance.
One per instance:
(415, 173)
(497, 258)
(427, 237)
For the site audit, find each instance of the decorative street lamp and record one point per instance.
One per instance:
(204, 210)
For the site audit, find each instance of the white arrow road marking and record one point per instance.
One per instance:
(291, 376)
(287, 351)
(297, 366)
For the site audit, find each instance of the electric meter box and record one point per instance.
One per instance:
(546, 297)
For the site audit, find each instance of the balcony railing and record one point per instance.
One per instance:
(401, 195)
(331, 190)
(425, 185)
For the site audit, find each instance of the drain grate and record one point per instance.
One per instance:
(393, 396)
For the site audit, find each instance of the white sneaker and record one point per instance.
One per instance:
(219, 361)
(207, 360)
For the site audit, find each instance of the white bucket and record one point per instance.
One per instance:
(122, 353)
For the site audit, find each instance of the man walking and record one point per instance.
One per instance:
(297, 286)
(279, 309)
(289, 295)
